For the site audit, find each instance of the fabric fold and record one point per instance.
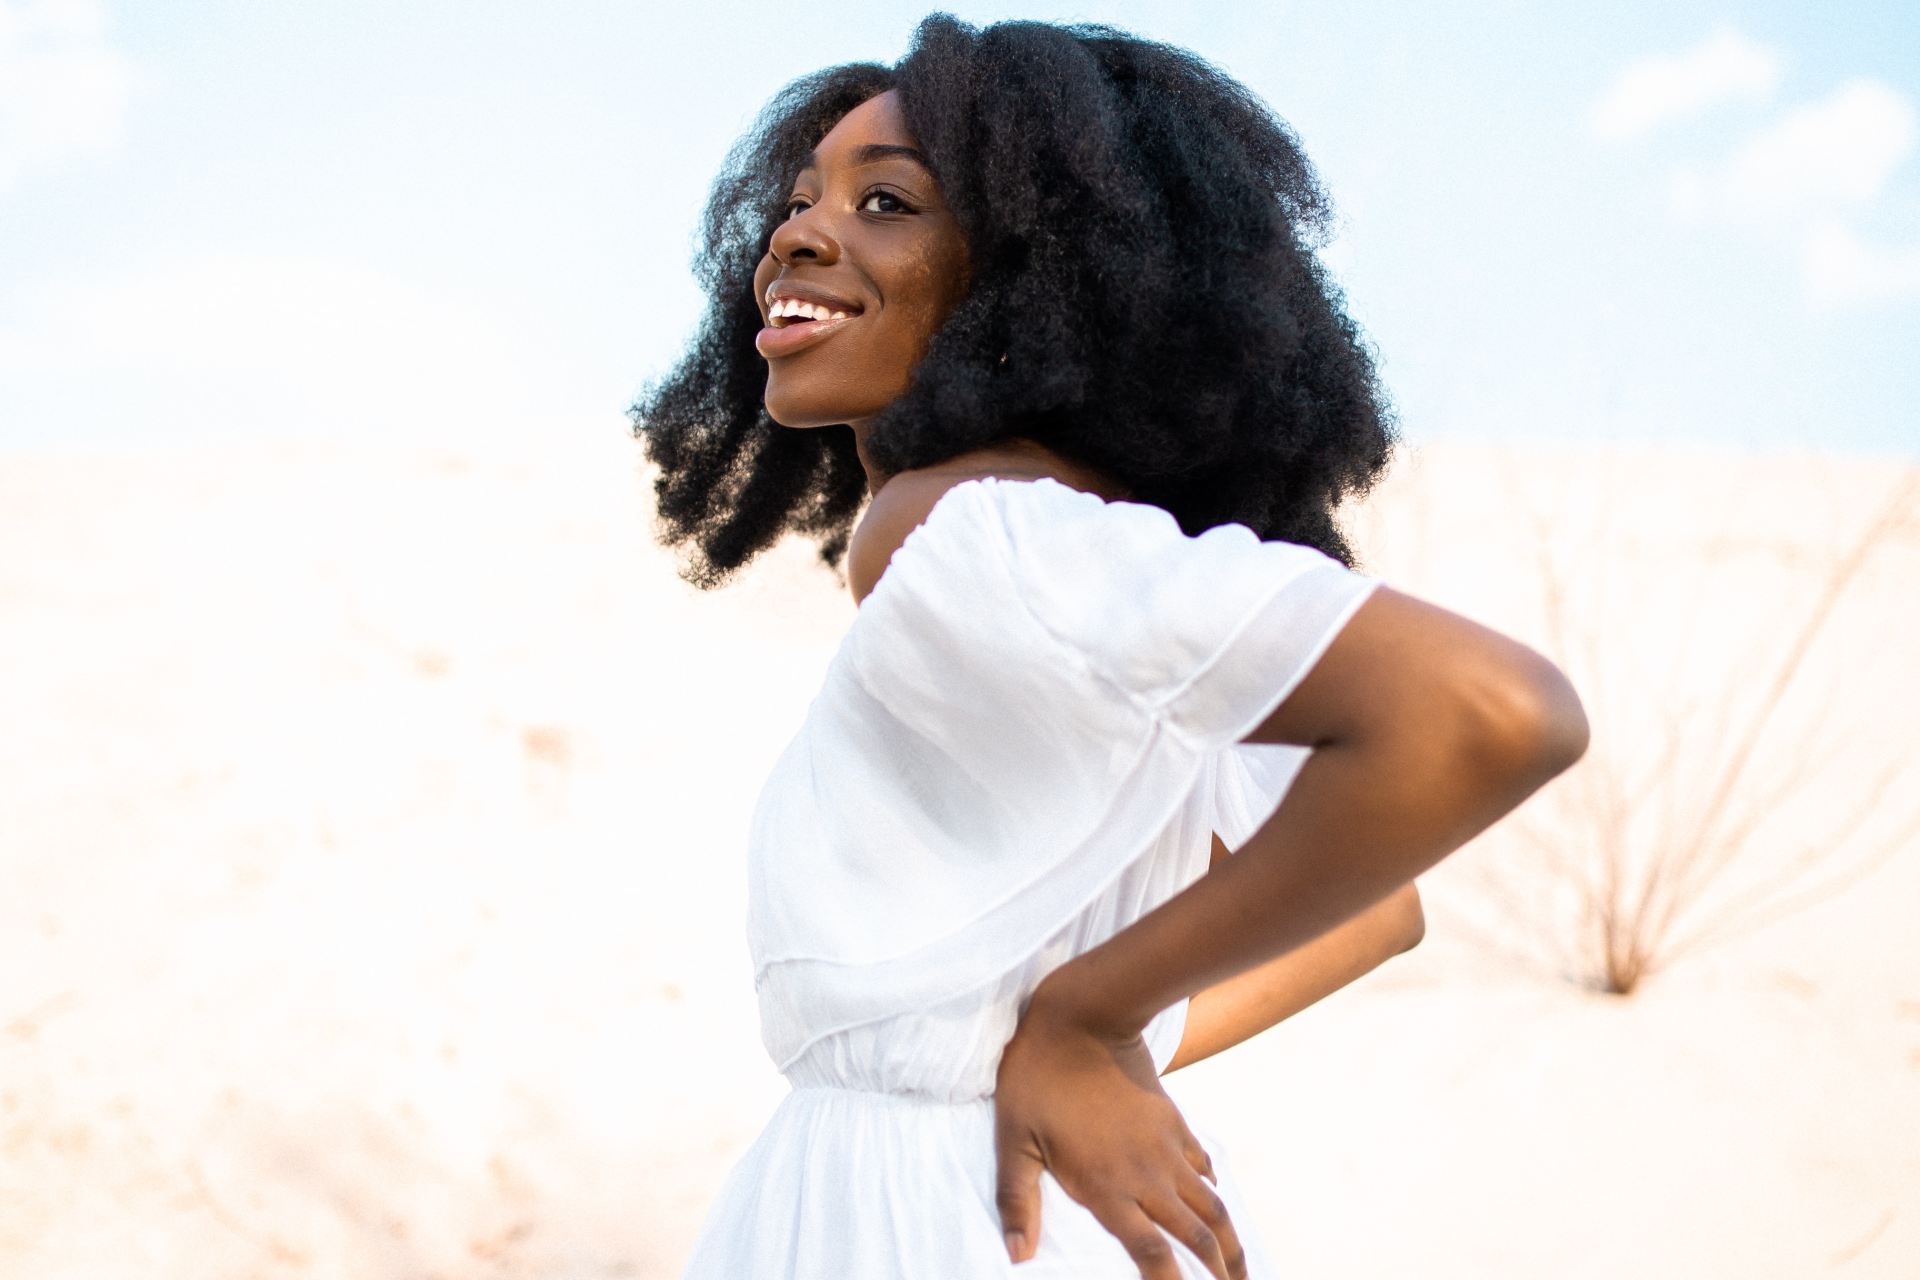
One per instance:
(1023, 704)
(1252, 780)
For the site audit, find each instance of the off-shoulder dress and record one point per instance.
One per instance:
(1023, 743)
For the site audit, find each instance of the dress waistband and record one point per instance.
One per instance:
(857, 1093)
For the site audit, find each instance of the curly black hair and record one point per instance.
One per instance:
(1141, 234)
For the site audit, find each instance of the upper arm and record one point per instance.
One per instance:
(1402, 663)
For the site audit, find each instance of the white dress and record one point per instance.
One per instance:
(1022, 745)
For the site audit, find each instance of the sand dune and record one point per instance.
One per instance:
(371, 828)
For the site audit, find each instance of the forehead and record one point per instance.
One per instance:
(877, 120)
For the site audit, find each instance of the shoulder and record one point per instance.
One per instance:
(902, 505)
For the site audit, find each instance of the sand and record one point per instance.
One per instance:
(371, 836)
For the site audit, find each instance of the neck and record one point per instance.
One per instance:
(1016, 456)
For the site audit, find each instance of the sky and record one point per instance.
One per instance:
(444, 222)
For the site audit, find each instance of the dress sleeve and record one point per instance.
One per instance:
(1207, 634)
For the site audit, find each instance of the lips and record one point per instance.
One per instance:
(774, 343)
(793, 334)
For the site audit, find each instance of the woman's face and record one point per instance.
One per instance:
(866, 235)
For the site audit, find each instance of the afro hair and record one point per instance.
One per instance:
(1142, 234)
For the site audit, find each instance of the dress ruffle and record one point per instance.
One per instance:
(1023, 703)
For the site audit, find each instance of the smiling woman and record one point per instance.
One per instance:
(1121, 761)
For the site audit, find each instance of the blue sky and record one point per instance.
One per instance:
(423, 222)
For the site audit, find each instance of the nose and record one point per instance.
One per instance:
(803, 236)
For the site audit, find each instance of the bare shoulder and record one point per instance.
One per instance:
(903, 504)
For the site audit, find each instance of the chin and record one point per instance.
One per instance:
(799, 415)
(800, 419)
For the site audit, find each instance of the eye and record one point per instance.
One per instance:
(900, 206)
(885, 195)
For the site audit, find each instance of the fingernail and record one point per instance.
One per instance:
(1015, 1243)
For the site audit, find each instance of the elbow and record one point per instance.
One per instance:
(1532, 722)
(1559, 730)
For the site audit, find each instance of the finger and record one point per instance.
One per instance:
(1144, 1242)
(1202, 1162)
(1212, 1210)
(1181, 1223)
(1017, 1188)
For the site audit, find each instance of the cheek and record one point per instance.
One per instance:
(930, 289)
(946, 284)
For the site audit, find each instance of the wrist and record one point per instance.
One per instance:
(1070, 995)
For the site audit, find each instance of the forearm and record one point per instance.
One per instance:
(1364, 816)
(1248, 1003)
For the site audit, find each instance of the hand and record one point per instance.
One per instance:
(1088, 1105)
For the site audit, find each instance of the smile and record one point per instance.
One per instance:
(773, 342)
(787, 309)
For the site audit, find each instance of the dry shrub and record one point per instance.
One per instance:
(1726, 787)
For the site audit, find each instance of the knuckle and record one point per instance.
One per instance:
(1236, 1263)
(1201, 1240)
(1150, 1248)
(1212, 1210)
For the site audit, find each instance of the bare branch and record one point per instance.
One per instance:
(1631, 890)
(1891, 514)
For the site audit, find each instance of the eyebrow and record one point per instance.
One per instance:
(869, 152)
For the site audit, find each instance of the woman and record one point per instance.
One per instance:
(1042, 299)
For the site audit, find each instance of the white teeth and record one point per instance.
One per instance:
(786, 308)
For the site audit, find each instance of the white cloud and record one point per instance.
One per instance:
(1821, 157)
(220, 346)
(1805, 177)
(62, 90)
(1801, 179)
(1656, 90)
(1839, 268)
